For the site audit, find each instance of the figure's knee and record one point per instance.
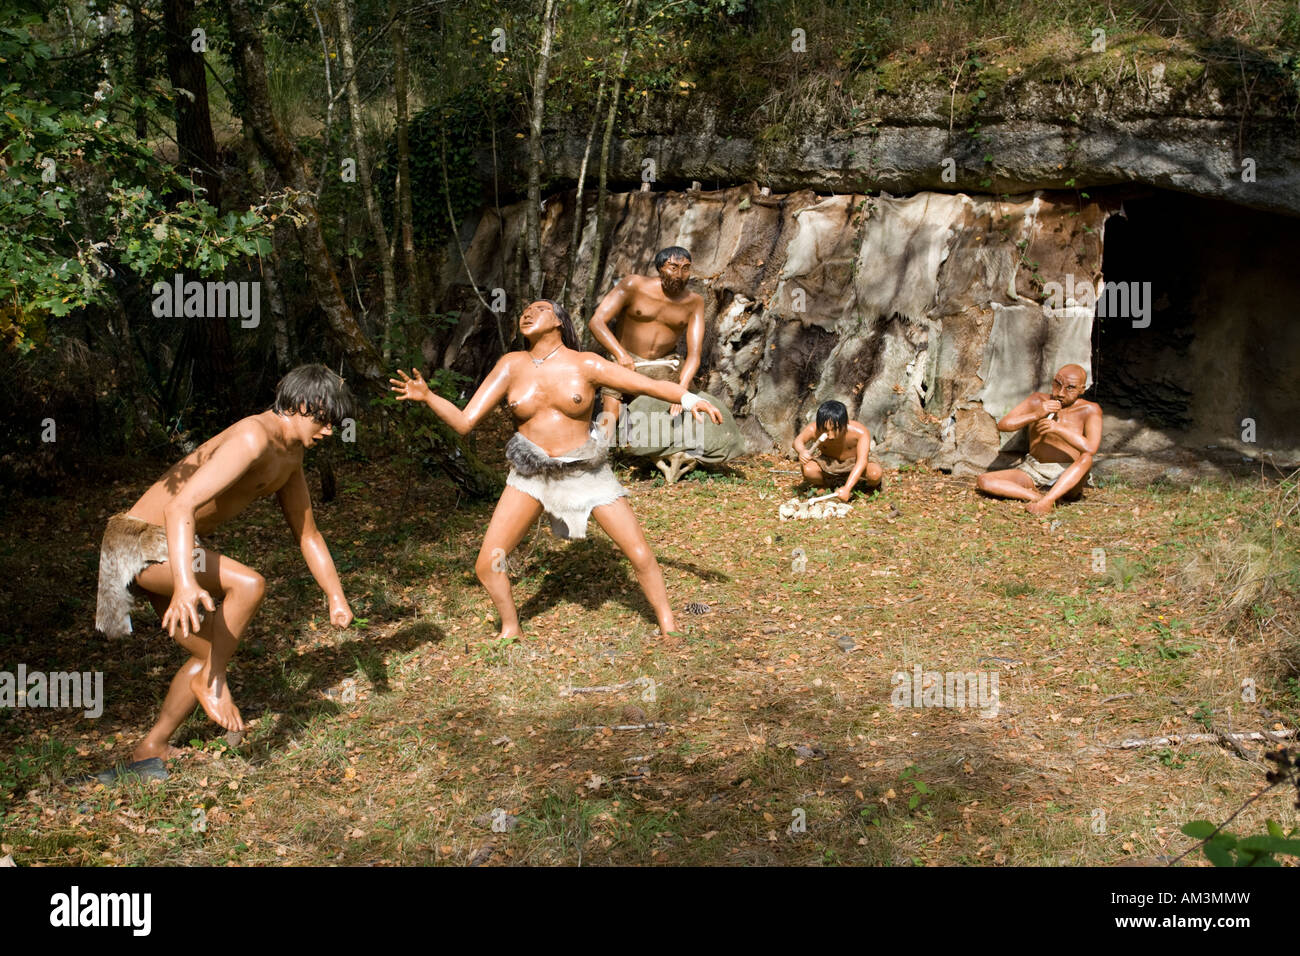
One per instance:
(249, 587)
(486, 567)
(874, 473)
(642, 558)
(982, 483)
(811, 471)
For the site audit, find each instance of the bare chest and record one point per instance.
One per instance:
(672, 316)
(559, 387)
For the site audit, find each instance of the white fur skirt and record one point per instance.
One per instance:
(569, 485)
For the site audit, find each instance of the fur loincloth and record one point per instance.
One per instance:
(834, 467)
(130, 545)
(1044, 473)
(568, 486)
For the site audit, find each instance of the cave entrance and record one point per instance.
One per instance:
(1223, 340)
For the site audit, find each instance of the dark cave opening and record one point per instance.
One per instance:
(1223, 341)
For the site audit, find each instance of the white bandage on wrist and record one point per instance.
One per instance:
(689, 401)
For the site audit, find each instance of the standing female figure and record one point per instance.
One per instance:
(558, 458)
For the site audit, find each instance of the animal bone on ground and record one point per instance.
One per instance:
(679, 464)
(796, 510)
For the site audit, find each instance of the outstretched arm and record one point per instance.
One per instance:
(610, 308)
(488, 395)
(628, 382)
(295, 503)
(225, 466)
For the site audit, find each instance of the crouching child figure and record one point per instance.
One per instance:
(839, 458)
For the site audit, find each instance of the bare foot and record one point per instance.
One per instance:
(667, 623)
(214, 696)
(1039, 507)
(508, 633)
(147, 750)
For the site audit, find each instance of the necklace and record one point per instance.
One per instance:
(548, 354)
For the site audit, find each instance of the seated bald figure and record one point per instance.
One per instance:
(650, 315)
(1064, 434)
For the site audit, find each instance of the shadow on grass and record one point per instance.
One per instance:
(325, 668)
(592, 573)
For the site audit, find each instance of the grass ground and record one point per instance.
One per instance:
(414, 738)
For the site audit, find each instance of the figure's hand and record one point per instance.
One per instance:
(1051, 407)
(183, 611)
(703, 408)
(410, 389)
(674, 408)
(340, 613)
(804, 457)
(844, 494)
(1042, 427)
(627, 361)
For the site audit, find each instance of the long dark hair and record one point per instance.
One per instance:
(567, 333)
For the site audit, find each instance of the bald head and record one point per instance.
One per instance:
(1076, 373)
(1070, 382)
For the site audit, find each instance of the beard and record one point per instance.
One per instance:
(673, 286)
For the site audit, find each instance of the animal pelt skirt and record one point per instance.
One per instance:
(568, 485)
(130, 545)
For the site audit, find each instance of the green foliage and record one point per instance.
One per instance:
(921, 790)
(1168, 758)
(1168, 646)
(81, 198)
(1223, 849)
(495, 652)
(34, 764)
(446, 140)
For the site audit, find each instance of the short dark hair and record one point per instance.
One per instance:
(671, 252)
(832, 413)
(568, 335)
(315, 391)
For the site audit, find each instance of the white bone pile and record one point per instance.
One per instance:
(795, 510)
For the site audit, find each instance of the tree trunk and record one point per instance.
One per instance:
(597, 249)
(140, 65)
(579, 218)
(284, 156)
(198, 147)
(271, 264)
(457, 461)
(343, 14)
(414, 269)
(533, 218)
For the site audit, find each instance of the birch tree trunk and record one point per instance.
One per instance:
(597, 249)
(343, 14)
(414, 269)
(533, 218)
